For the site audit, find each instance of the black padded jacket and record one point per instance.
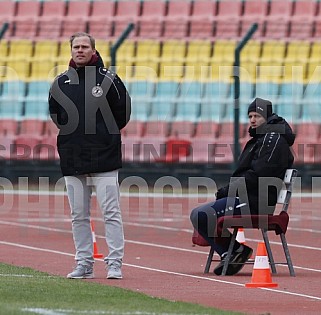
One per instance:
(265, 157)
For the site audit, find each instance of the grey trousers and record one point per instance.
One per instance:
(79, 189)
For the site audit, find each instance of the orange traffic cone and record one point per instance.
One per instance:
(240, 236)
(96, 254)
(261, 275)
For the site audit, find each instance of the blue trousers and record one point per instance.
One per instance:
(204, 219)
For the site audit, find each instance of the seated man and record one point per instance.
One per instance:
(267, 154)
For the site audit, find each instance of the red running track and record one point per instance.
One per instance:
(160, 259)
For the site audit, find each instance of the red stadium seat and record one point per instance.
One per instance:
(32, 127)
(26, 19)
(50, 21)
(202, 19)
(301, 22)
(151, 20)
(277, 21)
(76, 18)
(228, 19)
(47, 149)
(100, 22)
(127, 11)
(177, 18)
(7, 12)
(254, 12)
(8, 127)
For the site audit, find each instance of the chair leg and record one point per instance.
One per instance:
(229, 253)
(287, 255)
(209, 260)
(269, 251)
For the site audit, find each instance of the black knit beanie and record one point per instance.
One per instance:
(262, 107)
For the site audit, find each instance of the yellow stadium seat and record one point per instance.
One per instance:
(297, 51)
(199, 51)
(45, 50)
(173, 50)
(273, 51)
(42, 70)
(18, 69)
(223, 50)
(20, 49)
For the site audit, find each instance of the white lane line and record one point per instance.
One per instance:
(163, 271)
(142, 194)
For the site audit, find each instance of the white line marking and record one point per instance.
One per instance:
(143, 194)
(162, 271)
(45, 311)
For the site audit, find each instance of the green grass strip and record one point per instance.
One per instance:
(24, 291)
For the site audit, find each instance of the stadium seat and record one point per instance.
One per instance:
(163, 102)
(100, 21)
(267, 89)
(8, 127)
(254, 12)
(20, 49)
(51, 18)
(75, 19)
(141, 93)
(146, 60)
(25, 147)
(215, 96)
(11, 108)
(289, 102)
(45, 50)
(26, 19)
(189, 101)
(277, 21)
(202, 20)
(228, 19)
(176, 20)
(7, 12)
(131, 149)
(134, 128)
(150, 22)
(50, 129)
(32, 127)
(127, 11)
(182, 129)
(13, 89)
(42, 70)
(6, 145)
(46, 149)
(36, 109)
(197, 58)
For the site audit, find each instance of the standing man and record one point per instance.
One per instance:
(90, 105)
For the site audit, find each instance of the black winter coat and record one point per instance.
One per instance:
(266, 155)
(90, 106)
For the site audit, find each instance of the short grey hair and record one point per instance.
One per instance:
(82, 34)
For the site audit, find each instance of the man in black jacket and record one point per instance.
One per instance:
(252, 188)
(90, 105)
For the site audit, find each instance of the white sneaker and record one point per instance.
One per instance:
(81, 272)
(114, 270)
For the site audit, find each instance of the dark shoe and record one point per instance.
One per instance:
(237, 261)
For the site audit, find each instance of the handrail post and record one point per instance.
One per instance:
(236, 75)
(116, 45)
(3, 30)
